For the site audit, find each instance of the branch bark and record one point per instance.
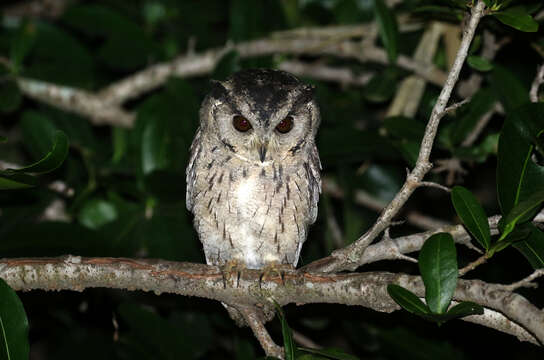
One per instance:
(363, 289)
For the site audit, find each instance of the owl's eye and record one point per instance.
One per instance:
(240, 123)
(285, 125)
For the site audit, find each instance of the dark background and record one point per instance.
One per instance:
(130, 184)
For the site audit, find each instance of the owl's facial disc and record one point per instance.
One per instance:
(263, 116)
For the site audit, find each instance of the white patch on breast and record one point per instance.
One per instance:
(246, 204)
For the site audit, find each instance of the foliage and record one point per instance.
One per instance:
(125, 188)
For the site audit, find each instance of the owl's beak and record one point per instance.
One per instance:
(262, 151)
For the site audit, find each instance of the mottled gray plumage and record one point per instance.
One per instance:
(255, 193)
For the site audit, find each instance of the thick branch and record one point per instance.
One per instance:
(350, 256)
(364, 289)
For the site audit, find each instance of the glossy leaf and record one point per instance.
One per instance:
(381, 87)
(470, 115)
(404, 128)
(330, 353)
(465, 308)
(518, 177)
(479, 63)
(472, 214)
(523, 211)
(229, 64)
(533, 247)
(12, 181)
(52, 160)
(73, 66)
(22, 43)
(438, 268)
(407, 300)
(14, 343)
(518, 18)
(387, 27)
(510, 90)
(520, 232)
(126, 45)
(288, 342)
(96, 213)
(528, 121)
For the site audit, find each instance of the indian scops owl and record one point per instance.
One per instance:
(253, 178)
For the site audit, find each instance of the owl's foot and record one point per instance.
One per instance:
(232, 270)
(274, 270)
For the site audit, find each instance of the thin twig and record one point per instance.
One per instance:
(349, 257)
(527, 282)
(260, 332)
(480, 125)
(435, 185)
(473, 265)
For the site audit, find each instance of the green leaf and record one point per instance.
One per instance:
(438, 267)
(22, 43)
(465, 308)
(529, 123)
(520, 232)
(407, 300)
(518, 18)
(523, 211)
(387, 27)
(479, 152)
(12, 181)
(381, 87)
(330, 353)
(518, 177)
(509, 89)
(229, 64)
(126, 45)
(288, 342)
(38, 131)
(52, 160)
(409, 150)
(460, 310)
(73, 66)
(470, 115)
(404, 128)
(533, 247)
(10, 96)
(14, 343)
(97, 212)
(472, 214)
(479, 63)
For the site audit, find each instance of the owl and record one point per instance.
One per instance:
(253, 178)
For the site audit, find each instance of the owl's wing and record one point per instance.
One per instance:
(314, 181)
(190, 172)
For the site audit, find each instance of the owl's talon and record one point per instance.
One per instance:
(279, 270)
(229, 269)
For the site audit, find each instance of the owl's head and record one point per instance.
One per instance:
(261, 115)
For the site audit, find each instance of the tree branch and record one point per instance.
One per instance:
(260, 332)
(363, 289)
(349, 257)
(105, 106)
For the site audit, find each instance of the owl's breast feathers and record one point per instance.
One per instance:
(253, 213)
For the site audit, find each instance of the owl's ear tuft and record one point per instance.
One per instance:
(218, 90)
(306, 95)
